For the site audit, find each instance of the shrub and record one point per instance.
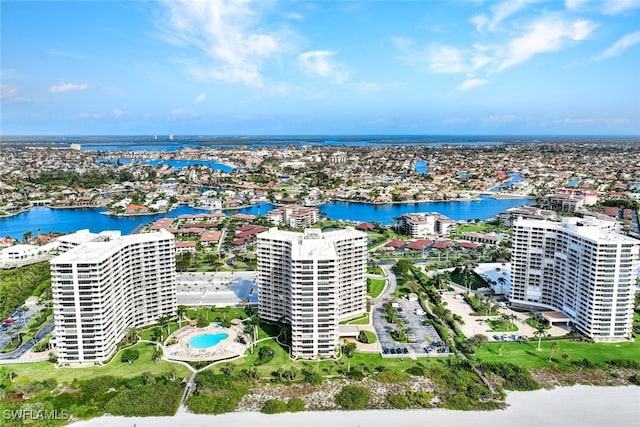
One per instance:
(265, 354)
(355, 375)
(363, 338)
(416, 371)
(391, 376)
(311, 377)
(202, 322)
(129, 355)
(398, 401)
(273, 406)
(516, 377)
(353, 397)
(295, 404)
(420, 399)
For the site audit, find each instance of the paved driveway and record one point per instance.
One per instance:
(477, 324)
(419, 334)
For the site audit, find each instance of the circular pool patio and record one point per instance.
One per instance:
(211, 343)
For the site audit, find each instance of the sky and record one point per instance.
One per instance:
(266, 67)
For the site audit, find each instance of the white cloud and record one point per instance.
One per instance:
(319, 63)
(229, 35)
(547, 34)
(8, 92)
(451, 60)
(117, 113)
(471, 83)
(499, 12)
(295, 16)
(620, 46)
(441, 59)
(616, 7)
(200, 98)
(66, 87)
(575, 5)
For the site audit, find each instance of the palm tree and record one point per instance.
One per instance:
(466, 281)
(539, 332)
(500, 349)
(502, 281)
(164, 321)
(552, 349)
(566, 357)
(182, 309)
(156, 334)
(132, 334)
(513, 318)
(157, 355)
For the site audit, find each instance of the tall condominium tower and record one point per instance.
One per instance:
(311, 281)
(102, 288)
(577, 267)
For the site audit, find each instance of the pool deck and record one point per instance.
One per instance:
(225, 349)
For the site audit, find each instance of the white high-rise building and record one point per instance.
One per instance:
(578, 267)
(311, 281)
(102, 288)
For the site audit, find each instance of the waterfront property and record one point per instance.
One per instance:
(425, 224)
(102, 288)
(579, 268)
(311, 281)
(69, 220)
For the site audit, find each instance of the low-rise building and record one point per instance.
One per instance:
(425, 224)
(294, 216)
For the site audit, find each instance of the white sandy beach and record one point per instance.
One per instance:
(563, 407)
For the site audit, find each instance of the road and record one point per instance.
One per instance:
(24, 319)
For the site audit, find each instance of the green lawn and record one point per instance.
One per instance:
(526, 353)
(360, 320)
(375, 287)
(502, 326)
(534, 324)
(145, 333)
(371, 337)
(217, 314)
(476, 281)
(46, 370)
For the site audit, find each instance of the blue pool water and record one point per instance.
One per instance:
(207, 340)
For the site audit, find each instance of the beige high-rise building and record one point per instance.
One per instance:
(102, 288)
(311, 281)
(579, 267)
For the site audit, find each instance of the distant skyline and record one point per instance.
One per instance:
(319, 67)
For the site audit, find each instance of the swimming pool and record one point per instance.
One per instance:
(207, 340)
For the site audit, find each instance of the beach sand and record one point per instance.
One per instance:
(563, 407)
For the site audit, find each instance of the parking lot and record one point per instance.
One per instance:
(219, 289)
(423, 340)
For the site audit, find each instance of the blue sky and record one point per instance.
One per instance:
(320, 67)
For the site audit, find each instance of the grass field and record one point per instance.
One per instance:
(371, 337)
(375, 287)
(360, 320)
(526, 353)
(216, 314)
(46, 370)
(145, 333)
(502, 326)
